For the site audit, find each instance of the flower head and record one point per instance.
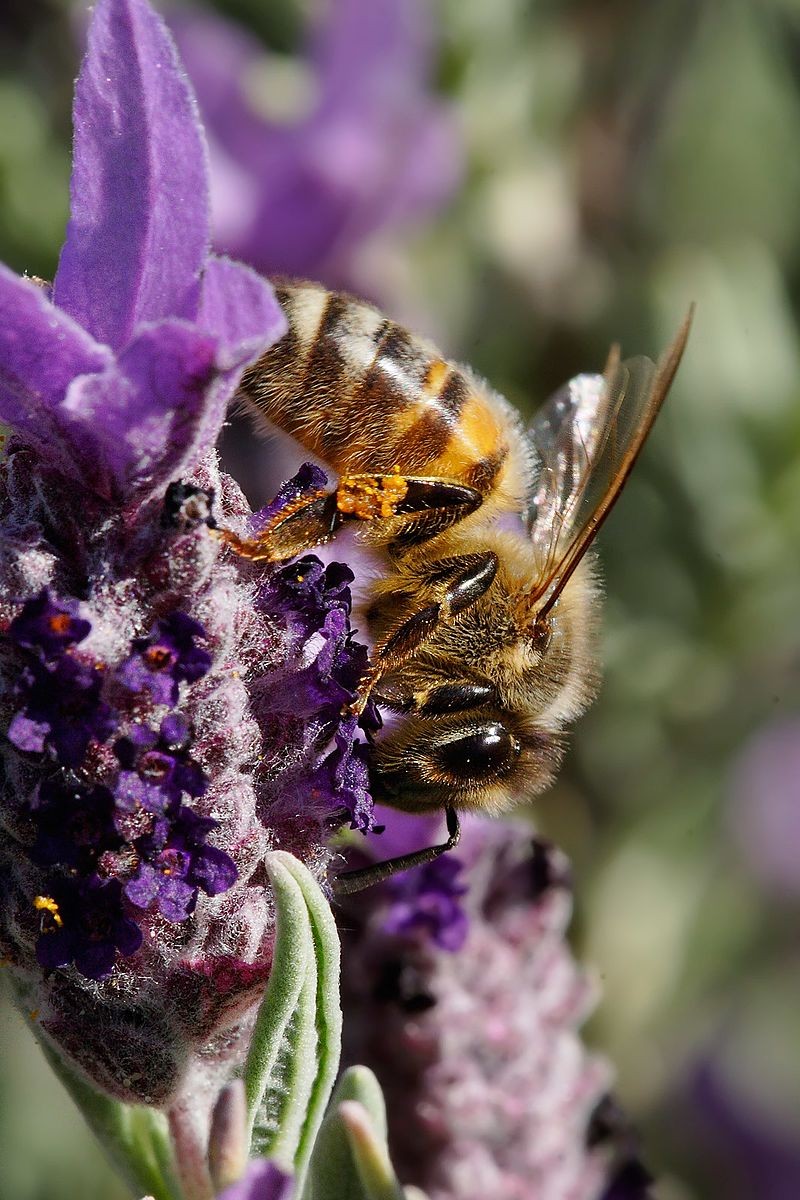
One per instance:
(169, 710)
(172, 653)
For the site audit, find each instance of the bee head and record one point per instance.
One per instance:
(483, 759)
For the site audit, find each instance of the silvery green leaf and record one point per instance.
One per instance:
(294, 1054)
(351, 1158)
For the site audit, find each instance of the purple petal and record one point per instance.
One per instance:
(95, 960)
(55, 949)
(261, 1181)
(127, 936)
(135, 675)
(153, 412)
(41, 351)
(27, 734)
(239, 308)
(176, 899)
(213, 870)
(143, 888)
(139, 226)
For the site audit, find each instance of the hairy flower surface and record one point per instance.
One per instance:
(462, 995)
(369, 147)
(170, 713)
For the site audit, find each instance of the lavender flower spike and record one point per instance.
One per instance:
(460, 992)
(166, 716)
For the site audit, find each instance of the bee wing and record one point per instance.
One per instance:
(585, 440)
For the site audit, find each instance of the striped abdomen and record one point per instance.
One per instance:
(363, 394)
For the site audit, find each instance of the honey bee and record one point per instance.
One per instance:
(484, 615)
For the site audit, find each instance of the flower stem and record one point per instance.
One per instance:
(190, 1155)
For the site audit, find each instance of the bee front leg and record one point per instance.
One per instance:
(347, 882)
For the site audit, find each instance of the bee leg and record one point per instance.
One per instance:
(468, 578)
(347, 882)
(428, 505)
(293, 530)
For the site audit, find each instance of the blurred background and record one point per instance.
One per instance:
(528, 180)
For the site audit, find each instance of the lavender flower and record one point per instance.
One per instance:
(153, 753)
(764, 815)
(489, 1091)
(373, 150)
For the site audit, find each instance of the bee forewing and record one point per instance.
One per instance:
(585, 441)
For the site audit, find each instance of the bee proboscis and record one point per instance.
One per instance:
(484, 616)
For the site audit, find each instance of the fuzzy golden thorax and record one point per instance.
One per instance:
(541, 675)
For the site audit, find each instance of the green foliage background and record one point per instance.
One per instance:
(624, 159)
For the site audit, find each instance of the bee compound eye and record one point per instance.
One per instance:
(489, 750)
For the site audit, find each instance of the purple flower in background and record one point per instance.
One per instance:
(726, 1115)
(428, 899)
(488, 1089)
(370, 150)
(764, 815)
(152, 753)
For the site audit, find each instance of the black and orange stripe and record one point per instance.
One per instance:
(364, 394)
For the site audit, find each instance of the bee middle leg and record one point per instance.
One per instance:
(462, 580)
(347, 882)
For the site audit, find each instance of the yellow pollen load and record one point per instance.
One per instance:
(370, 496)
(48, 904)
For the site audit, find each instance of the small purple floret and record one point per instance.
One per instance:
(62, 710)
(154, 763)
(308, 592)
(171, 872)
(47, 627)
(89, 929)
(343, 778)
(75, 824)
(169, 656)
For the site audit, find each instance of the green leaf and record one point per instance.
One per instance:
(135, 1138)
(294, 1054)
(341, 1169)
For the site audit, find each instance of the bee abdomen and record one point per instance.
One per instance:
(364, 394)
